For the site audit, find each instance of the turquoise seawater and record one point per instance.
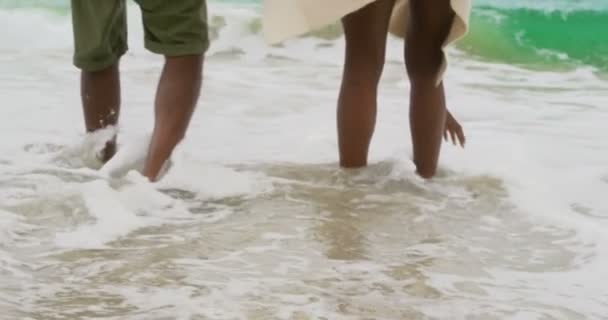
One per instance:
(540, 37)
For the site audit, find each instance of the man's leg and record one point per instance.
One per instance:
(177, 94)
(100, 39)
(177, 30)
(366, 32)
(429, 26)
(100, 94)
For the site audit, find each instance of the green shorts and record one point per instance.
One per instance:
(171, 27)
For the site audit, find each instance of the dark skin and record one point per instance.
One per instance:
(100, 94)
(176, 97)
(366, 33)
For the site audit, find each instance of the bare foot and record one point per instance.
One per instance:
(454, 130)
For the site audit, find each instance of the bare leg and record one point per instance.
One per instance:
(429, 26)
(176, 97)
(366, 32)
(100, 94)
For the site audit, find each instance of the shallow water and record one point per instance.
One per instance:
(255, 221)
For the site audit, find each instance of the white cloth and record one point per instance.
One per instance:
(283, 19)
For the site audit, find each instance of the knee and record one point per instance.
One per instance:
(192, 61)
(105, 71)
(423, 57)
(186, 65)
(427, 31)
(363, 70)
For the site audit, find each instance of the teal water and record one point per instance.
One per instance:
(541, 38)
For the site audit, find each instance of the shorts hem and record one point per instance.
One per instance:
(177, 50)
(98, 64)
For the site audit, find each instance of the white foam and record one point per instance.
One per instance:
(130, 155)
(539, 134)
(118, 212)
(112, 219)
(10, 223)
(210, 180)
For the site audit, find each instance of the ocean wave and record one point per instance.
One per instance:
(539, 38)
